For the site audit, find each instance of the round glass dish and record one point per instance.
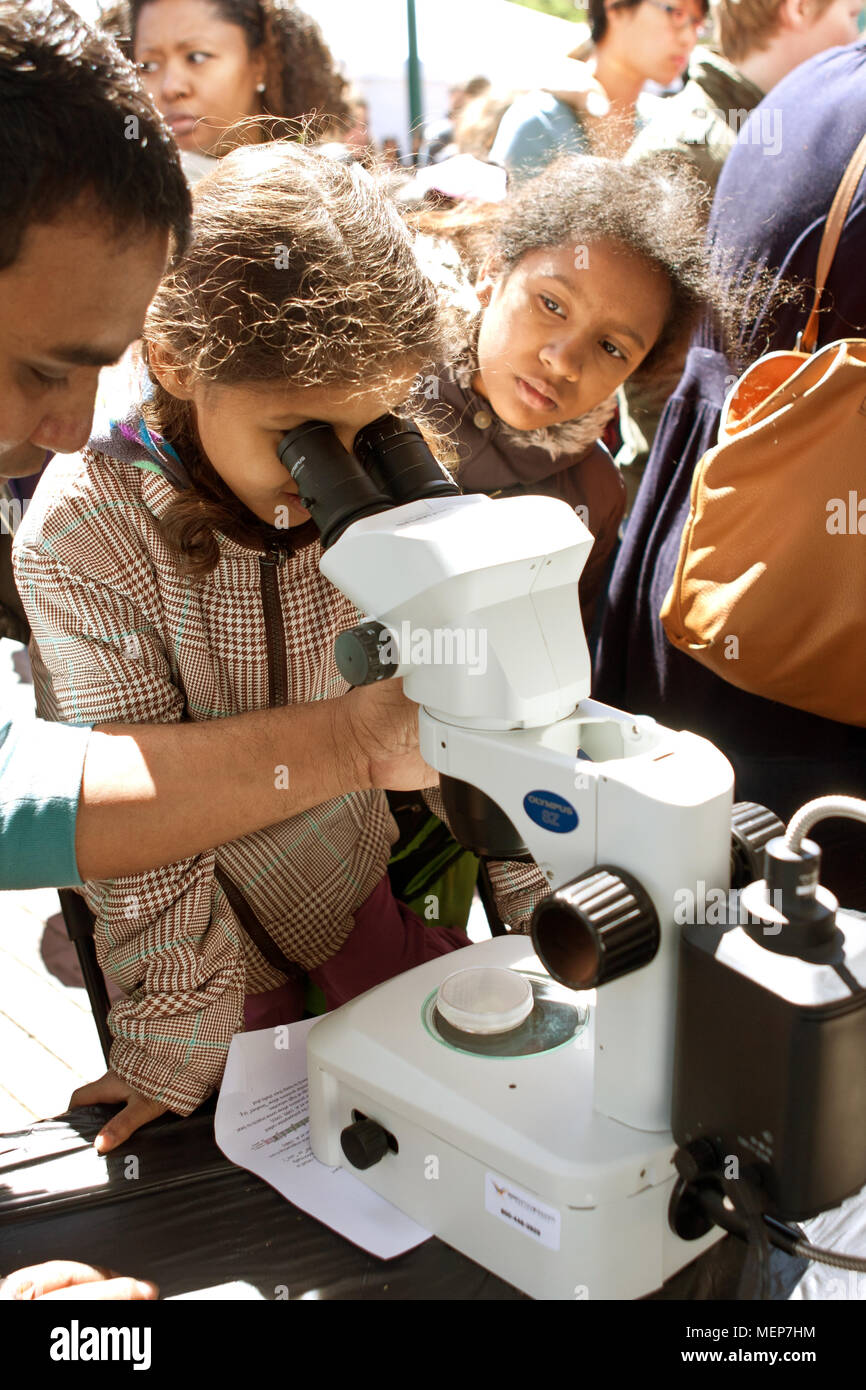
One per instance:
(486, 1000)
(557, 1018)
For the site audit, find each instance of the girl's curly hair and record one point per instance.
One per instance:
(301, 271)
(300, 77)
(656, 208)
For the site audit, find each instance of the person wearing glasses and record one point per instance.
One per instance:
(632, 42)
(756, 44)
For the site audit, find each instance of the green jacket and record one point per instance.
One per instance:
(702, 122)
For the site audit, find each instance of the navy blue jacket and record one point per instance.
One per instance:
(769, 209)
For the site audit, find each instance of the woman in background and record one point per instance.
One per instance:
(210, 64)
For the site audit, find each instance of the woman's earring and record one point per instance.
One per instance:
(260, 87)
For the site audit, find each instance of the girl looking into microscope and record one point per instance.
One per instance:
(170, 572)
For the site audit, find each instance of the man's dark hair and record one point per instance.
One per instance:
(75, 125)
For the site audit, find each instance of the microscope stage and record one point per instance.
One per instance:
(503, 1157)
(532, 1114)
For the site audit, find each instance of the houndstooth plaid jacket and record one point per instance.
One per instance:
(121, 635)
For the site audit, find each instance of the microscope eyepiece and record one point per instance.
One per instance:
(333, 485)
(398, 459)
(391, 465)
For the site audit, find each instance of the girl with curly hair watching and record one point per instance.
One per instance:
(589, 275)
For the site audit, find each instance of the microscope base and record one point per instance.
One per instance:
(503, 1158)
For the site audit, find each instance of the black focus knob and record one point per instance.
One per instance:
(364, 654)
(752, 827)
(364, 1143)
(596, 928)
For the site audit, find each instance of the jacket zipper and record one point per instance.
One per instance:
(278, 666)
(253, 927)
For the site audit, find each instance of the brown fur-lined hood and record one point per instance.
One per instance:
(491, 454)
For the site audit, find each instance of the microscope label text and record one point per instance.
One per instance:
(550, 811)
(522, 1210)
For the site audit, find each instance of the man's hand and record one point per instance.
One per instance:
(383, 727)
(67, 1279)
(137, 1111)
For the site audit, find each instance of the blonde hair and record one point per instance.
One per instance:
(744, 26)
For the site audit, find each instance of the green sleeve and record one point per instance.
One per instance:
(41, 766)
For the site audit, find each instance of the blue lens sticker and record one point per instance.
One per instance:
(550, 811)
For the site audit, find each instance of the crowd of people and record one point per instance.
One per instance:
(200, 771)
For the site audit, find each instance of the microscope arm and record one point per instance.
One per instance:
(517, 887)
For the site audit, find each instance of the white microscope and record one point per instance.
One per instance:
(515, 1097)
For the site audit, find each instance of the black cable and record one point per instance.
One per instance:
(780, 1235)
(748, 1201)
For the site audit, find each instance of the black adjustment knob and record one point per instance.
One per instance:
(596, 928)
(697, 1161)
(697, 1166)
(364, 1143)
(752, 826)
(363, 654)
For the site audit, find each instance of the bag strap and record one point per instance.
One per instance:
(830, 240)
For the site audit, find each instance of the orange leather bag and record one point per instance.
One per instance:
(770, 585)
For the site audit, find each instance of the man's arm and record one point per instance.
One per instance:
(154, 794)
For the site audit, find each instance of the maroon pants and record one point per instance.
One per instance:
(387, 939)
